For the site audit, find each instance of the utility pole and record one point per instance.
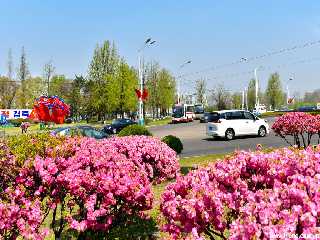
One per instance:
(257, 89)
(246, 98)
(242, 100)
(288, 93)
(179, 80)
(148, 42)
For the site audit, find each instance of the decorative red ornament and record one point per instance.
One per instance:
(143, 95)
(138, 92)
(50, 109)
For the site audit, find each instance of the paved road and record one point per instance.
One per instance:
(195, 141)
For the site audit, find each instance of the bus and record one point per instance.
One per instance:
(183, 113)
(198, 111)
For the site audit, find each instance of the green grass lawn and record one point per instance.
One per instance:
(158, 122)
(35, 128)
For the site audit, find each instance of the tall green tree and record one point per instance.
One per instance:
(8, 86)
(251, 94)
(167, 90)
(161, 87)
(61, 86)
(121, 89)
(201, 90)
(77, 97)
(33, 88)
(274, 93)
(221, 97)
(23, 74)
(8, 89)
(103, 67)
(236, 100)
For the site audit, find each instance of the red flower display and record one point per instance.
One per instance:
(50, 109)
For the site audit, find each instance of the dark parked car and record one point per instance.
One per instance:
(117, 125)
(307, 109)
(85, 131)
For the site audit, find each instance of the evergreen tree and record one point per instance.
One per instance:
(102, 69)
(23, 75)
(274, 93)
(201, 91)
(251, 94)
(121, 90)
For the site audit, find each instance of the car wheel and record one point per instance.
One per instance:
(262, 131)
(229, 135)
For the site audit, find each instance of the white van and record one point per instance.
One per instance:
(231, 123)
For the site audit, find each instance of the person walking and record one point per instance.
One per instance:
(24, 127)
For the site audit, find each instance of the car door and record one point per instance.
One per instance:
(237, 122)
(250, 126)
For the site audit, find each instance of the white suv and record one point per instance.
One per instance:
(231, 123)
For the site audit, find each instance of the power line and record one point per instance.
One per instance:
(264, 68)
(250, 59)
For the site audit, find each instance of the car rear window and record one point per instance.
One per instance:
(214, 116)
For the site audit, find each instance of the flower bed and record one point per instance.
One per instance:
(300, 126)
(87, 186)
(249, 195)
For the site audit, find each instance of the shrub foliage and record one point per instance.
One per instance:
(134, 130)
(173, 142)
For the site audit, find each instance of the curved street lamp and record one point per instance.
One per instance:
(148, 42)
(179, 81)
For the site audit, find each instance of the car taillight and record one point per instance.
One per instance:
(217, 121)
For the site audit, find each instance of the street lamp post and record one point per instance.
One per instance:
(148, 42)
(179, 81)
(257, 87)
(288, 93)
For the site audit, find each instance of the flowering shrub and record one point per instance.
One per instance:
(27, 146)
(19, 216)
(150, 154)
(250, 195)
(8, 167)
(101, 183)
(301, 126)
(87, 186)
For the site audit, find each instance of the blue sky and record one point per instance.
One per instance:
(210, 33)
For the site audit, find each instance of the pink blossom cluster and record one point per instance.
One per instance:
(252, 195)
(87, 185)
(8, 167)
(102, 182)
(150, 154)
(301, 126)
(20, 217)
